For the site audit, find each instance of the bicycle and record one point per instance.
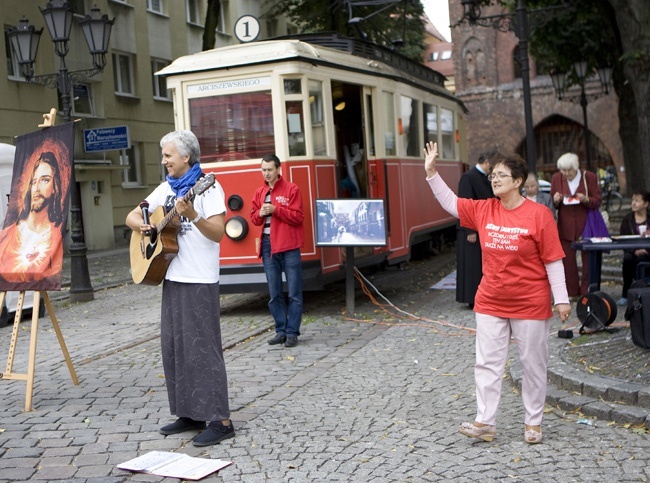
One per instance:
(612, 199)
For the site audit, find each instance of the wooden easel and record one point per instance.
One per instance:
(49, 119)
(29, 376)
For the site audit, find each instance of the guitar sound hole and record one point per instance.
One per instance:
(151, 248)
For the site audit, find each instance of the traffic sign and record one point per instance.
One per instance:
(106, 139)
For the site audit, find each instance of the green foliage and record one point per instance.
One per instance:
(582, 31)
(399, 26)
(638, 58)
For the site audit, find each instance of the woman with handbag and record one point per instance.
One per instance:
(574, 192)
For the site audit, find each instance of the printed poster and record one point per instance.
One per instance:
(31, 240)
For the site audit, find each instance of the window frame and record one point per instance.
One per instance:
(241, 137)
(151, 6)
(125, 163)
(91, 100)
(389, 144)
(156, 65)
(447, 138)
(221, 27)
(193, 5)
(409, 113)
(430, 116)
(315, 90)
(117, 73)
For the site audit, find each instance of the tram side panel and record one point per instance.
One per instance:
(413, 210)
(325, 187)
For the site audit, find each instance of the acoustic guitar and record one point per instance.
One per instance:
(152, 254)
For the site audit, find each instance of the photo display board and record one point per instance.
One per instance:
(350, 222)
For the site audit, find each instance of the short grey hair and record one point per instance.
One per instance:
(568, 161)
(186, 143)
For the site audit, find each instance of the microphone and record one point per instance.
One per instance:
(144, 206)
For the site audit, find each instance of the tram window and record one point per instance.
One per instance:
(233, 127)
(430, 123)
(292, 86)
(295, 128)
(317, 124)
(447, 128)
(389, 127)
(410, 130)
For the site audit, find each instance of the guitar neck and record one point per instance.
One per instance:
(173, 212)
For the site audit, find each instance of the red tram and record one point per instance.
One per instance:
(346, 117)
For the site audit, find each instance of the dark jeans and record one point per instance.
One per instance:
(287, 322)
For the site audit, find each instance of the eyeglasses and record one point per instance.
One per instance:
(499, 176)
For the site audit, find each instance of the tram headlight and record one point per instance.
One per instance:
(235, 202)
(236, 228)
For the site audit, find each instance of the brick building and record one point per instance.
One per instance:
(438, 54)
(488, 81)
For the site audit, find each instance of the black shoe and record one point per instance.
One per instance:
(181, 425)
(278, 339)
(214, 434)
(292, 341)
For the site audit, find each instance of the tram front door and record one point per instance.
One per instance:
(350, 145)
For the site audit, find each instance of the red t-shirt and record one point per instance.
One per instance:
(516, 245)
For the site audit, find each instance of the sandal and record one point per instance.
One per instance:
(532, 436)
(485, 433)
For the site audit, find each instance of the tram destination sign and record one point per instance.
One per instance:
(106, 139)
(252, 83)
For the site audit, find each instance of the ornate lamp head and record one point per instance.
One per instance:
(24, 41)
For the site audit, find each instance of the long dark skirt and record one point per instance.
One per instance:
(468, 268)
(195, 371)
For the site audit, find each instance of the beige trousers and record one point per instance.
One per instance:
(492, 342)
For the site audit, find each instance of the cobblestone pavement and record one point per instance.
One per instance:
(377, 398)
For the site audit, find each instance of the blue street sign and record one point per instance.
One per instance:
(106, 139)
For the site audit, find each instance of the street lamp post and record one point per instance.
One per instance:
(582, 72)
(24, 40)
(522, 34)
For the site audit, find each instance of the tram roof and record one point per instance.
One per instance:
(321, 49)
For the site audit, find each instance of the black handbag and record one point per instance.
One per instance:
(638, 313)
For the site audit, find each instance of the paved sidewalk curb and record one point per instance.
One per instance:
(573, 389)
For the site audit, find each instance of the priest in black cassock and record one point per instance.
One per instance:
(475, 185)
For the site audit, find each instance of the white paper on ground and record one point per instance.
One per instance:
(174, 465)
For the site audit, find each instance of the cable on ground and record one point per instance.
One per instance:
(393, 311)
